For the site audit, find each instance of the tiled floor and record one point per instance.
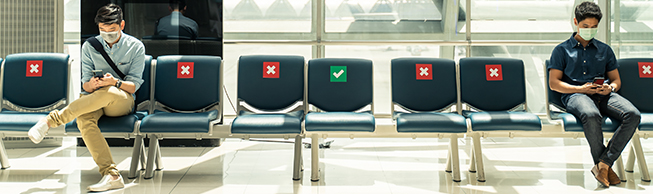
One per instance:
(520, 165)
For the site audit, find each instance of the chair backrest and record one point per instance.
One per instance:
(554, 98)
(424, 84)
(143, 93)
(35, 81)
(270, 82)
(338, 84)
(190, 83)
(492, 84)
(636, 79)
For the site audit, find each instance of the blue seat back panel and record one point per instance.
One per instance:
(636, 81)
(337, 94)
(185, 89)
(554, 97)
(143, 93)
(479, 90)
(424, 84)
(271, 82)
(28, 77)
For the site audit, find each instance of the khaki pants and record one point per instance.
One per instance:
(88, 109)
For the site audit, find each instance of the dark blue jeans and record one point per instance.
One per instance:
(590, 109)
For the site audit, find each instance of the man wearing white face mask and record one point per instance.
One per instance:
(102, 94)
(580, 69)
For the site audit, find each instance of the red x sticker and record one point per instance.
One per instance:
(493, 73)
(645, 70)
(34, 69)
(423, 71)
(185, 70)
(271, 70)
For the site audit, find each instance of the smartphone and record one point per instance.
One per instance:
(98, 73)
(599, 80)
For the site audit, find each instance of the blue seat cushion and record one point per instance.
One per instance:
(165, 122)
(123, 124)
(572, 124)
(141, 114)
(19, 121)
(430, 123)
(505, 121)
(250, 123)
(339, 121)
(646, 122)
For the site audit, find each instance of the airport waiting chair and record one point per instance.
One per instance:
(26, 77)
(556, 110)
(636, 79)
(271, 100)
(127, 126)
(495, 88)
(187, 101)
(424, 89)
(340, 90)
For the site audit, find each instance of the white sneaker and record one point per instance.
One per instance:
(37, 132)
(107, 184)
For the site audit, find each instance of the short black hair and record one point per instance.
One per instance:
(586, 10)
(109, 14)
(177, 4)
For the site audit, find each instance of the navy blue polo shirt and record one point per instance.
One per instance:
(581, 64)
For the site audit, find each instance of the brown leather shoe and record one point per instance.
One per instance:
(601, 175)
(612, 177)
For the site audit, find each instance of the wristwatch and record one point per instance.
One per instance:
(119, 83)
(612, 88)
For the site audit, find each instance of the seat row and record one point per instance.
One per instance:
(283, 97)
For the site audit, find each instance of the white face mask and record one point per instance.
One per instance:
(110, 37)
(587, 33)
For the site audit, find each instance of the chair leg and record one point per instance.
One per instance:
(472, 162)
(478, 155)
(151, 155)
(136, 154)
(447, 167)
(296, 172)
(315, 169)
(455, 162)
(630, 163)
(4, 159)
(620, 169)
(157, 160)
(641, 161)
(143, 160)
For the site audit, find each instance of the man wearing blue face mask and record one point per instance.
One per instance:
(577, 69)
(112, 94)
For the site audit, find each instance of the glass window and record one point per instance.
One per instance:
(381, 57)
(267, 15)
(521, 19)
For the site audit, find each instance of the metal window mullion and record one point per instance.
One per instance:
(468, 27)
(318, 18)
(617, 28)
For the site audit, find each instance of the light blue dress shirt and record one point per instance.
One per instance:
(128, 54)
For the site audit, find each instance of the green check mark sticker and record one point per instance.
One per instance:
(338, 73)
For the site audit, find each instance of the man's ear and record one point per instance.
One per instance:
(575, 22)
(122, 25)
